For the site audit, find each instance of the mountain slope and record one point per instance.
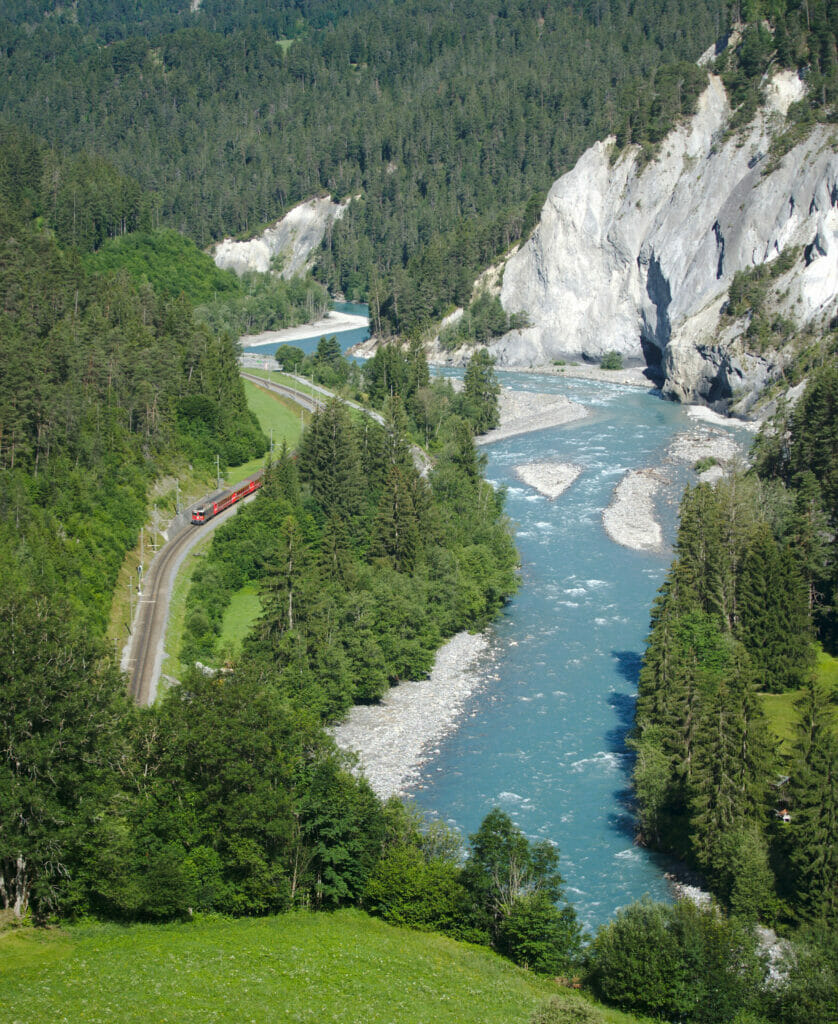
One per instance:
(641, 257)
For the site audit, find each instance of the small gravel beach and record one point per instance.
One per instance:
(393, 739)
(332, 323)
(524, 411)
(630, 518)
(549, 478)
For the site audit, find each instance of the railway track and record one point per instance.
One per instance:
(149, 629)
(308, 402)
(146, 657)
(152, 614)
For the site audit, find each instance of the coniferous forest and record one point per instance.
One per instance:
(134, 135)
(751, 593)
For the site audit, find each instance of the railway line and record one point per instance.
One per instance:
(308, 402)
(145, 660)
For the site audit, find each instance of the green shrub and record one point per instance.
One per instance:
(611, 361)
(558, 1010)
(678, 962)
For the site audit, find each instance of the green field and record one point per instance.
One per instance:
(298, 967)
(277, 414)
(244, 609)
(779, 707)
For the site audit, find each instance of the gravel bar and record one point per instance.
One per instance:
(524, 411)
(395, 738)
(630, 518)
(549, 478)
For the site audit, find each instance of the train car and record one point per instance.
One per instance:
(205, 512)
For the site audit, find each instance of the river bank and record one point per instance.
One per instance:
(395, 738)
(333, 322)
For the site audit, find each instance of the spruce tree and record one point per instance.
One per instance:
(813, 789)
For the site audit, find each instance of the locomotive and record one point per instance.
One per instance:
(205, 512)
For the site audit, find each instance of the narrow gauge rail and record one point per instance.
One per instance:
(152, 613)
(201, 513)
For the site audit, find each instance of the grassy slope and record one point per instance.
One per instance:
(244, 609)
(298, 967)
(274, 413)
(779, 707)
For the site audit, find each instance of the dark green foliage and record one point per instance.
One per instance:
(481, 391)
(97, 380)
(290, 358)
(506, 894)
(732, 619)
(774, 611)
(646, 111)
(755, 566)
(800, 448)
(483, 320)
(538, 935)
(87, 201)
(794, 34)
(812, 837)
(439, 116)
(63, 713)
(810, 970)
(611, 361)
(677, 963)
(408, 888)
(515, 886)
(363, 570)
(171, 264)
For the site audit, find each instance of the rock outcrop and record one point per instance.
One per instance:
(287, 246)
(639, 258)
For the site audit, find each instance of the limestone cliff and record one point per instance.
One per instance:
(640, 258)
(288, 244)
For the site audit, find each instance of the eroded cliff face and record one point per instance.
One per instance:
(289, 243)
(639, 259)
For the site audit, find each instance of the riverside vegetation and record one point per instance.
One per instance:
(229, 795)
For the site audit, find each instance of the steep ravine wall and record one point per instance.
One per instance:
(288, 244)
(639, 258)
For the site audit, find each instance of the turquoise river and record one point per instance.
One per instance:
(544, 736)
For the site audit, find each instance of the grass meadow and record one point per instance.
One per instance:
(302, 967)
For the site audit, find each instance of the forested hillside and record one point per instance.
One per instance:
(449, 122)
(103, 384)
(752, 587)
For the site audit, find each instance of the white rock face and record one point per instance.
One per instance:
(293, 238)
(640, 259)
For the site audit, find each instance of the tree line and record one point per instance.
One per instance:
(446, 123)
(752, 586)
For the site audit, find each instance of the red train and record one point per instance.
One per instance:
(205, 512)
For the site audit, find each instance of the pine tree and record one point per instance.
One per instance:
(813, 831)
(773, 614)
(481, 391)
(330, 463)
